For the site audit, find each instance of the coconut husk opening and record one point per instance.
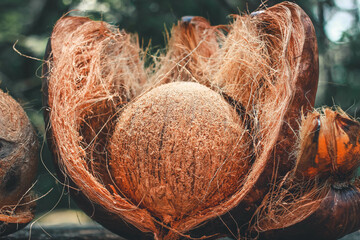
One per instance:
(104, 104)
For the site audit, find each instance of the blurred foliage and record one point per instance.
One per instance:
(30, 23)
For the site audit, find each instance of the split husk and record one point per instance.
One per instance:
(143, 149)
(18, 167)
(199, 132)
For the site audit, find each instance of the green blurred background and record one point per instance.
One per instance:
(30, 22)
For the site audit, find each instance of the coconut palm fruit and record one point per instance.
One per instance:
(217, 137)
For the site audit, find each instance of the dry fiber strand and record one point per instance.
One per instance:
(188, 146)
(18, 166)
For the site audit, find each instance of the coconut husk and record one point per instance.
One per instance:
(19, 160)
(102, 105)
(337, 149)
(272, 72)
(110, 55)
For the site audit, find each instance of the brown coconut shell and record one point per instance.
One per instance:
(269, 76)
(336, 216)
(18, 167)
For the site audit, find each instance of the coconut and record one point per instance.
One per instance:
(180, 148)
(19, 160)
(191, 145)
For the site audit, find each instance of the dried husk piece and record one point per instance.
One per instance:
(18, 166)
(105, 72)
(319, 197)
(329, 146)
(190, 50)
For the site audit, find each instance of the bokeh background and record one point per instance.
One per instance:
(30, 22)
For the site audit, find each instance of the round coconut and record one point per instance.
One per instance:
(178, 149)
(18, 166)
(149, 158)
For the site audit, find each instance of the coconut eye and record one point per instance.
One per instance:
(12, 180)
(6, 148)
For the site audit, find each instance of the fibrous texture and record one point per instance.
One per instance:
(179, 149)
(190, 146)
(335, 152)
(190, 50)
(18, 165)
(95, 71)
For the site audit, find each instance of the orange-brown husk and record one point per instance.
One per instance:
(94, 70)
(190, 51)
(270, 67)
(327, 159)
